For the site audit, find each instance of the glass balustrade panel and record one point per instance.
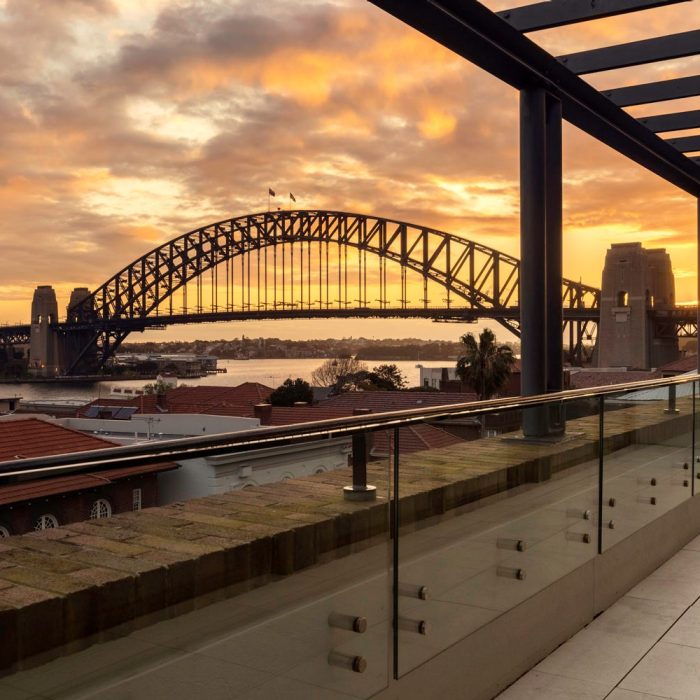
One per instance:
(499, 506)
(318, 625)
(648, 457)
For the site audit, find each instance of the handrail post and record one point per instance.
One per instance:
(360, 489)
(671, 409)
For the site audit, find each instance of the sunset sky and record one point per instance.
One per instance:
(128, 122)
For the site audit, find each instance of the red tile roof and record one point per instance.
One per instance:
(379, 401)
(42, 488)
(31, 437)
(216, 400)
(685, 364)
(37, 438)
(289, 415)
(586, 379)
(415, 438)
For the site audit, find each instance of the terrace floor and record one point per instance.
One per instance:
(644, 647)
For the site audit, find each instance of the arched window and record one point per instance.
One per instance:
(4, 531)
(46, 522)
(101, 508)
(623, 298)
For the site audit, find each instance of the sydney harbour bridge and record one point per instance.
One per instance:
(309, 264)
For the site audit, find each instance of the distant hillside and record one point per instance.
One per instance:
(276, 348)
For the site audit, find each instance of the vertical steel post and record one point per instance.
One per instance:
(533, 215)
(601, 468)
(395, 587)
(555, 314)
(360, 489)
(553, 244)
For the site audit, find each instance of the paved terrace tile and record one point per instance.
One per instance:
(644, 647)
(74, 583)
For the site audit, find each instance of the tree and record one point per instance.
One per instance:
(331, 370)
(292, 391)
(485, 366)
(388, 377)
(381, 378)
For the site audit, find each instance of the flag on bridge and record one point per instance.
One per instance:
(292, 197)
(271, 192)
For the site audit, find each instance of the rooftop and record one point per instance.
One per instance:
(31, 437)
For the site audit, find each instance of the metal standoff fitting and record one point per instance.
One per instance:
(417, 626)
(642, 481)
(685, 465)
(351, 623)
(511, 572)
(412, 590)
(611, 525)
(510, 543)
(357, 664)
(650, 500)
(578, 537)
(612, 502)
(576, 513)
(686, 483)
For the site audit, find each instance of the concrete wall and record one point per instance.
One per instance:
(216, 475)
(176, 424)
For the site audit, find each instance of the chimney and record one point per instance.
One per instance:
(162, 401)
(263, 412)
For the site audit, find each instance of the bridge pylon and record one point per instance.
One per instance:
(637, 282)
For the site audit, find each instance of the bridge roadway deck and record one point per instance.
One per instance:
(454, 314)
(68, 587)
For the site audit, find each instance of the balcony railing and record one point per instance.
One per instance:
(318, 596)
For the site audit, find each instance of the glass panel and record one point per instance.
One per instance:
(487, 523)
(694, 471)
(321, 632)
(647, 457)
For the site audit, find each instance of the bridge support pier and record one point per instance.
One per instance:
(541, 257)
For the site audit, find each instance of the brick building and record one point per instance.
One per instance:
(38, 504)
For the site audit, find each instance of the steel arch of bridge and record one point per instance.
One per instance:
(486, 279)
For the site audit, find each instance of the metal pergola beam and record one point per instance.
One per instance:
(635, 53)
(685, 144)
(660, 91)
(545, 15)
(478, 35)
(672, 122)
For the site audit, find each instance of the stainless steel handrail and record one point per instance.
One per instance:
(267, 437)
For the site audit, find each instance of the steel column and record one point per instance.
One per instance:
(555, 314)
(553, 261)
(533, 229)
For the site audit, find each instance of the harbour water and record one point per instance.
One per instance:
(269, 372)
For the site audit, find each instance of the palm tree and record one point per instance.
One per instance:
(485, 366)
